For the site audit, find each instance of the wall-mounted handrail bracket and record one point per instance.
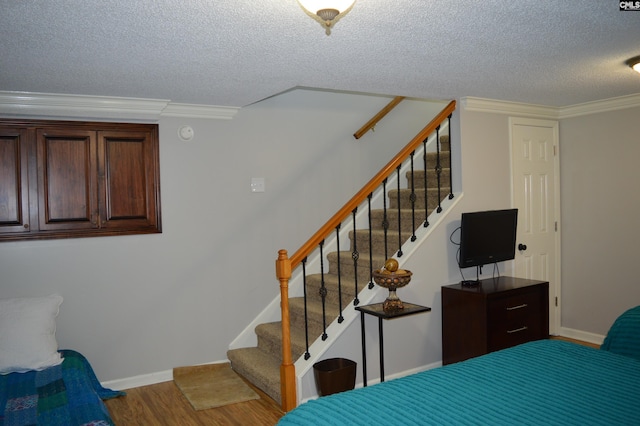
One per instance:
(371, 124)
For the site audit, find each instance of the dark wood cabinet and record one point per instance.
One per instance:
(69, 179)
(496, 314)
(15, 152)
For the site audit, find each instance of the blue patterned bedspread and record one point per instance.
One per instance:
(546, 382)
(68, 394)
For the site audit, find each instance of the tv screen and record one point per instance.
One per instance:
(487, 237)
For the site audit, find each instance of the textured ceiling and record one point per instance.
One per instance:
(236, 52)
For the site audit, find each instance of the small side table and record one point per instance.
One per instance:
(377, 311)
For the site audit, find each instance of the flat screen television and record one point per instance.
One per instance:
(487, 237)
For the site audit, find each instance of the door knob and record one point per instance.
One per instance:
(522, 247)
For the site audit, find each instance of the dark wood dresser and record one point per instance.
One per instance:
(496, 314)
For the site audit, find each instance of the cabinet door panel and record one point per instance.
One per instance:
(66, 169)
(14, 192)
(130, 183)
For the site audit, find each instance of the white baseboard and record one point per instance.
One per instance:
(146, 379)
(581, 335)
(137, 381)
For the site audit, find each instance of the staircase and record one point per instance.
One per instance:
(261, 364)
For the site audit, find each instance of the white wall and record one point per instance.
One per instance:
(600, 205)
(139, 305)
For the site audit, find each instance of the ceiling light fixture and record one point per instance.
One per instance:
(634, 63)
(326, 12)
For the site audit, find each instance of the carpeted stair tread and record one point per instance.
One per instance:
(314, 282)
(258, 367)
(314, 314)
(404, 195)
(377, 241)
(408, 218)
(432, 178)
(270, 339)
(363, 264)
(432, 160)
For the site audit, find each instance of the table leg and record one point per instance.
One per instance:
(381, 350)
(364, 351)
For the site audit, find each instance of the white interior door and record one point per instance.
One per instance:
(536, 186)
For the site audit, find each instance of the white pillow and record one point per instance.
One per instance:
(28, 333)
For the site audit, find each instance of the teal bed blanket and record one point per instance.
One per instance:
(545, 382)
(68, 394)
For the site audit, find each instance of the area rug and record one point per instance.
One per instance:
(212, 385)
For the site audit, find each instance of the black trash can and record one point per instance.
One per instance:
(334, 375)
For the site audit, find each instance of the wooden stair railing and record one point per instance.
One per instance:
(285, 264)
(379, 116)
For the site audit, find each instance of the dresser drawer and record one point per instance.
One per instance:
(514, 319)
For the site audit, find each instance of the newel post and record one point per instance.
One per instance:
(287, 369)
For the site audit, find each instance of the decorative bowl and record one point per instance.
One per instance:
(392, 278)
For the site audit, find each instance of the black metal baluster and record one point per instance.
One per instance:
(385, 220)
(412, 198)
(438, 168)
(450, 162)
(426, 171)
(340, 317)
(307, 355)
(399, 215)
(371, 284)
(323, 293)
(355, 256)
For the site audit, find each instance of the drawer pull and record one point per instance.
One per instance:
(517, 330)
(513, 308)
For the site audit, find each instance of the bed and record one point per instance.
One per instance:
(66, 394)
(39, 384)
(543, 382)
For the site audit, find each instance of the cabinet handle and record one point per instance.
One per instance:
(513, 308)
(26, 226)
(517, 330)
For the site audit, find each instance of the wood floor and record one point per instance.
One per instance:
(580, 342)
(163, 404)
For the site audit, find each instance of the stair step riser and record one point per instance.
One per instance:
(377, 242)
(331, 286)
(432, 160)
(432, 178)
(314, 315)
(270, 340)
(363, 265)
(407, 219)
(260, 368)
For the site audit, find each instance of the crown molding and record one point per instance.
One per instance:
(103, 108)
(511, 108)
(199, 111)
(606, 105)
(547, 112)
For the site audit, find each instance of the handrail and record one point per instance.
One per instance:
(357, 199)
(379, 116)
